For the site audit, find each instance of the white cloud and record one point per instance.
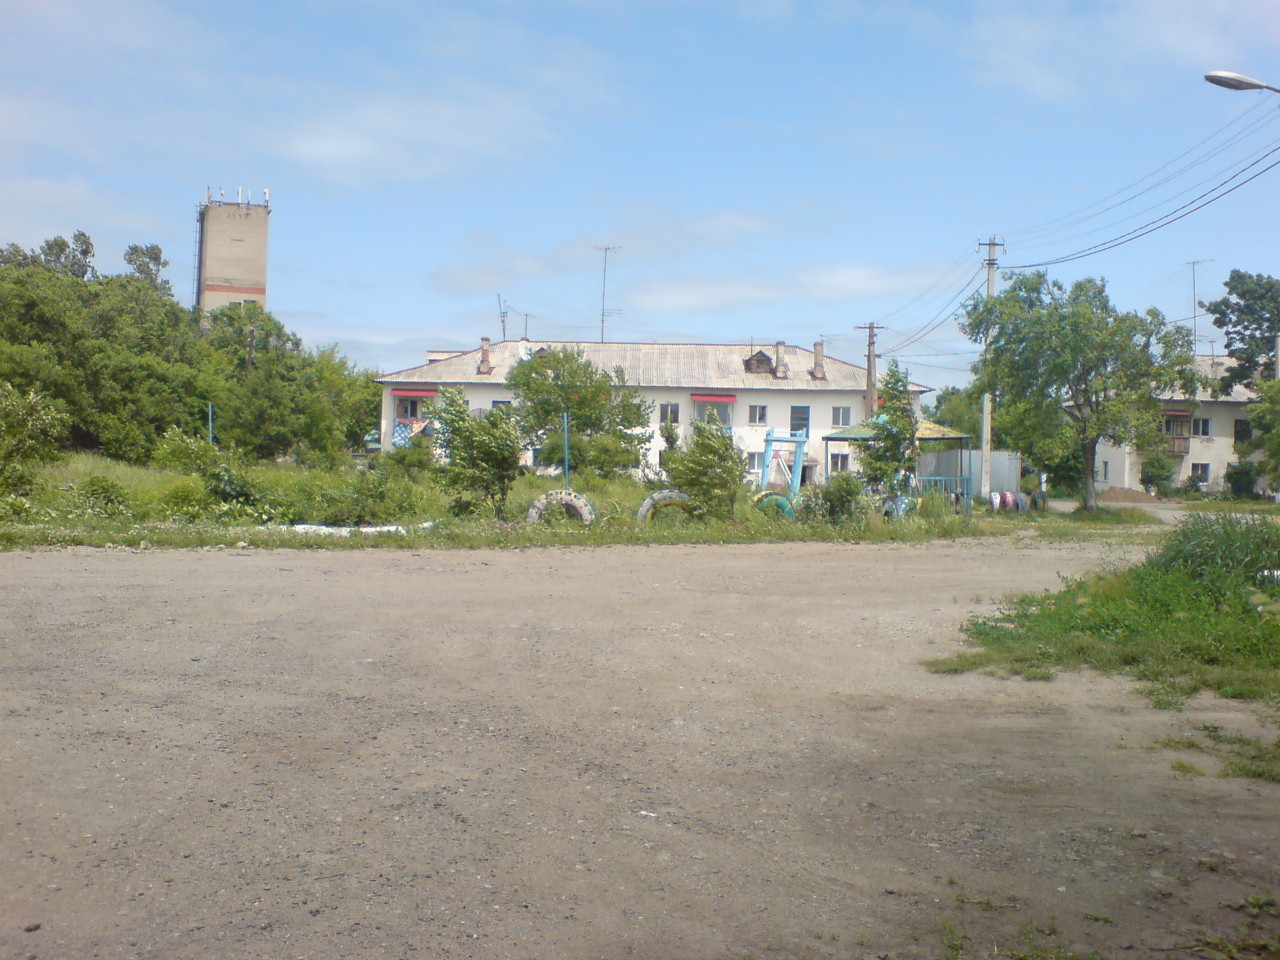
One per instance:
(1058, 49)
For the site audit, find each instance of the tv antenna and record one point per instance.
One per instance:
(604, 278)
(1195, 303)
(502, 316)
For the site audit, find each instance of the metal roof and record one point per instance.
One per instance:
(715, 366)
(925, 430)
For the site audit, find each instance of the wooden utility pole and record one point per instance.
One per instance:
(872, 391)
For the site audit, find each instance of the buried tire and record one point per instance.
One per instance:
(572, 504)
(774, 504)
(661, 501)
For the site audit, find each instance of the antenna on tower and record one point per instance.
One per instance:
(502, 316)
(604, 277)
(1195, 304)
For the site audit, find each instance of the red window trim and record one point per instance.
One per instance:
(413, 393)
(714, 397)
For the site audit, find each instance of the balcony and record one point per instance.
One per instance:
(1178, 446)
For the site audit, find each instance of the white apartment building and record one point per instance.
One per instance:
(751, 388)
(1201, 434)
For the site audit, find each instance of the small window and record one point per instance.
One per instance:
(1177, 426)
(1244, 431)
(1200, 472)
(1106, 470)
(668, 413)
(839, 461)
(1200, 427)
(500, 403)
(799, 419)
(757, 414)
(408, 409)
(755, 462)
(841, 416)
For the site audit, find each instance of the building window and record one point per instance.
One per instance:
(1200, 472)
(1200, 427)
(840, 461)
(1244, 431)
(755, 462)
(757, 414)
(723, 411)
(1106, 470)
(500, 403)
(799, 419)
(841, 416)
(407, 409)
(1176, 426)
(668, 413)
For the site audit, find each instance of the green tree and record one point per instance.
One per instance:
(147, 263)
(1080, 369)
(1264, 417)
(710, 469)
(959, 408)
(30, 431)
(1249, 315)
(889, 457)
(605, 416)
(483, 451)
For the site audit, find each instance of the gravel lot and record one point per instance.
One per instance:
(667, 752)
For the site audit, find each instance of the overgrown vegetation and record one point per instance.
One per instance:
(1202, 612)
(122, 362)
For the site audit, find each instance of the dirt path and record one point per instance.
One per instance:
(666, 752)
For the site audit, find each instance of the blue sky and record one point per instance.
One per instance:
(767, 169)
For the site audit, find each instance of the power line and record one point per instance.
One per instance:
(1159, 223)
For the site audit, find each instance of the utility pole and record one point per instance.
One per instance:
(604, 278)
(502, 316)
(984, 483)
(872, 392)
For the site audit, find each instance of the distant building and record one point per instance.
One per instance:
(232, 260)
(1200, 435)
(751, 389)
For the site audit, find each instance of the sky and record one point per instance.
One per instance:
(760, 170)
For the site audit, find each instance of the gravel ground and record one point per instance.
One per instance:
(666, 752)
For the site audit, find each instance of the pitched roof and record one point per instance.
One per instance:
(1214, 368)
(925, 430)
(718, 366)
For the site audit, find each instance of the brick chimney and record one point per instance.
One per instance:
(486, 364)
(819, 371)
(780, 368)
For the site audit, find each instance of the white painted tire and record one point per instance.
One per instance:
(660, 500)
(569, 501)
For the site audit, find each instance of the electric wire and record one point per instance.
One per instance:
(942, 316)
(1159, 223)
(1082, 214)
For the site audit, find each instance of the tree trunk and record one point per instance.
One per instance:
(1090, 451)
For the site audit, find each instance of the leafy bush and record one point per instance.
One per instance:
(1241, 478)
(103, 497)
(842, 497)
(1157, 470)
(414, 460)
(709, 470)
(179, 451)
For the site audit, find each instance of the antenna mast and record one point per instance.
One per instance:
(502, 316)
(604, 278)
(1195, 305)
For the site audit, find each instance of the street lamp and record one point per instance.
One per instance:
(1238, 81)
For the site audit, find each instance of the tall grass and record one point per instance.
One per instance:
(1198, 613)
(90, 500)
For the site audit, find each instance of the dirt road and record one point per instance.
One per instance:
(666, 752)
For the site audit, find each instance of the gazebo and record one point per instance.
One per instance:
(944, 455)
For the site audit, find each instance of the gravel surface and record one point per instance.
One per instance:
(666, 752)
